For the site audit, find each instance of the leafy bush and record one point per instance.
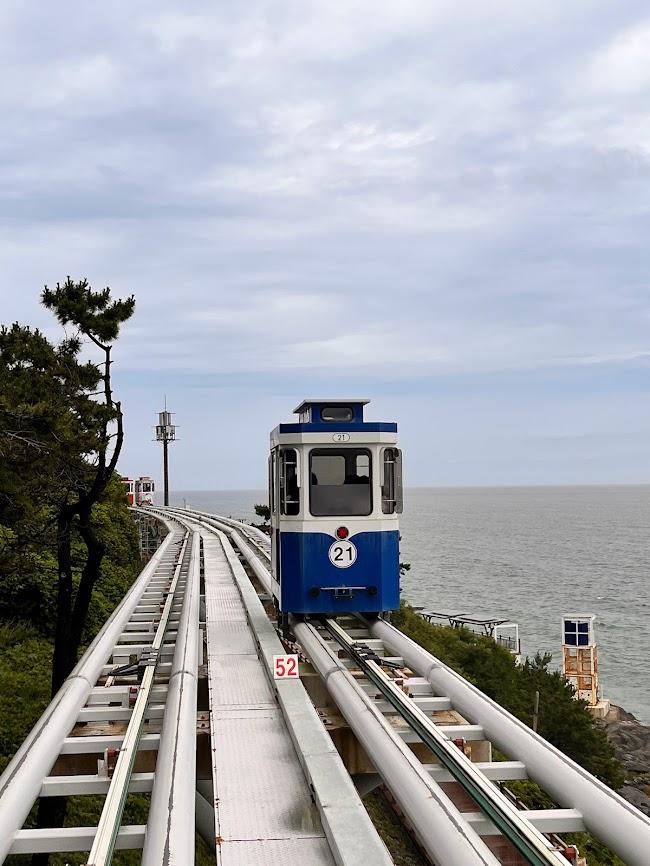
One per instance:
(25, 659)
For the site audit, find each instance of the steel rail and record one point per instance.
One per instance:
(252, 534)
(108, 826)
(234, 531)
(611, 818)
(505, 816)
(229, 521)
(170, 824)
(439, 826)
(21, 782)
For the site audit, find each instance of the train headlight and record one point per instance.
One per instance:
(342, 532)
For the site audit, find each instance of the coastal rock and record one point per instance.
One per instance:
(631, 740)
(636, 797)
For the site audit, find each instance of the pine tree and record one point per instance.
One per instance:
(61, 433)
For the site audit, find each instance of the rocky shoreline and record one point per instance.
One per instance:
(631, 740)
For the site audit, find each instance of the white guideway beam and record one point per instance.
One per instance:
(170, 827)
(235, 532)
(108, 827)
(439, 826)
(21, 782)
(352, 838)
(611, 818)
(492, 801)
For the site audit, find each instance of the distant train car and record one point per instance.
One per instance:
(129, 489)
(144, 490)
(335, 491)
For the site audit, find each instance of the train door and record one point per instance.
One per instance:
(274, 490)
(284, 490)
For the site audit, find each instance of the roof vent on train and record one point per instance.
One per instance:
(330, 411)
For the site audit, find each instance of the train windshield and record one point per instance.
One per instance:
(340, 482)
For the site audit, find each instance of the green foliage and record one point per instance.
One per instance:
(26, 604)
(46, 422)
(566, 722)
(480, 660)
(596, 853)
(28, 567)
(25, 659)
(563, 720)
(116, 530)
(263, 511)
(28, 577)
(94, 313)
(396, 837)
(61, 432)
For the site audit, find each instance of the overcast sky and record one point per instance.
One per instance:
(442, 206)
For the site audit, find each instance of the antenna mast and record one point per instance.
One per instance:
(165, 433)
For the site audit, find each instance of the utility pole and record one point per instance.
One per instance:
(165, 433)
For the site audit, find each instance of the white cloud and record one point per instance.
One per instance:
(622, 66)
(406, 192)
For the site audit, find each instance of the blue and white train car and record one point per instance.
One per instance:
(335, 490)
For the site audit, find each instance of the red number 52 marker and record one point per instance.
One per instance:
(285, 667)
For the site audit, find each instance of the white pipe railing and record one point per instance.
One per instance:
(439, 826)
(21, 782)
(607, 815)
(170, 837)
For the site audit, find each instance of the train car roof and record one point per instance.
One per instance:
(348, 401)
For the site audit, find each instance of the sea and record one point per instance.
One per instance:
(529, 555)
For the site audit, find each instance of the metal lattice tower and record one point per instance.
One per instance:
(165, 433)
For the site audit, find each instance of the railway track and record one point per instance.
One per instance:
(428, 709)
(132, 694)
(130, 706)
(126, 722)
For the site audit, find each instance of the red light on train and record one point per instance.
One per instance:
(342, 532)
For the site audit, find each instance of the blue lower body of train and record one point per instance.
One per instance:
(311, 584)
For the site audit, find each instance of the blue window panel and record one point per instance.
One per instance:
(570, 632)
(583, 626)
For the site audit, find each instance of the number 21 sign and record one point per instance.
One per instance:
(286, 667)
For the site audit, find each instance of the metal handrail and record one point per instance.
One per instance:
(612, 819)
(23, 777)
(101, 853)
(527, 840)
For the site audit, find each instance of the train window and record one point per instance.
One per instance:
(392, 498)
(272, 482)
(289, 487)
(336, 413)
(340, 482)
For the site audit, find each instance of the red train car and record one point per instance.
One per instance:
(129, 489)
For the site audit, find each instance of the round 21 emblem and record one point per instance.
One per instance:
(342, 554)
